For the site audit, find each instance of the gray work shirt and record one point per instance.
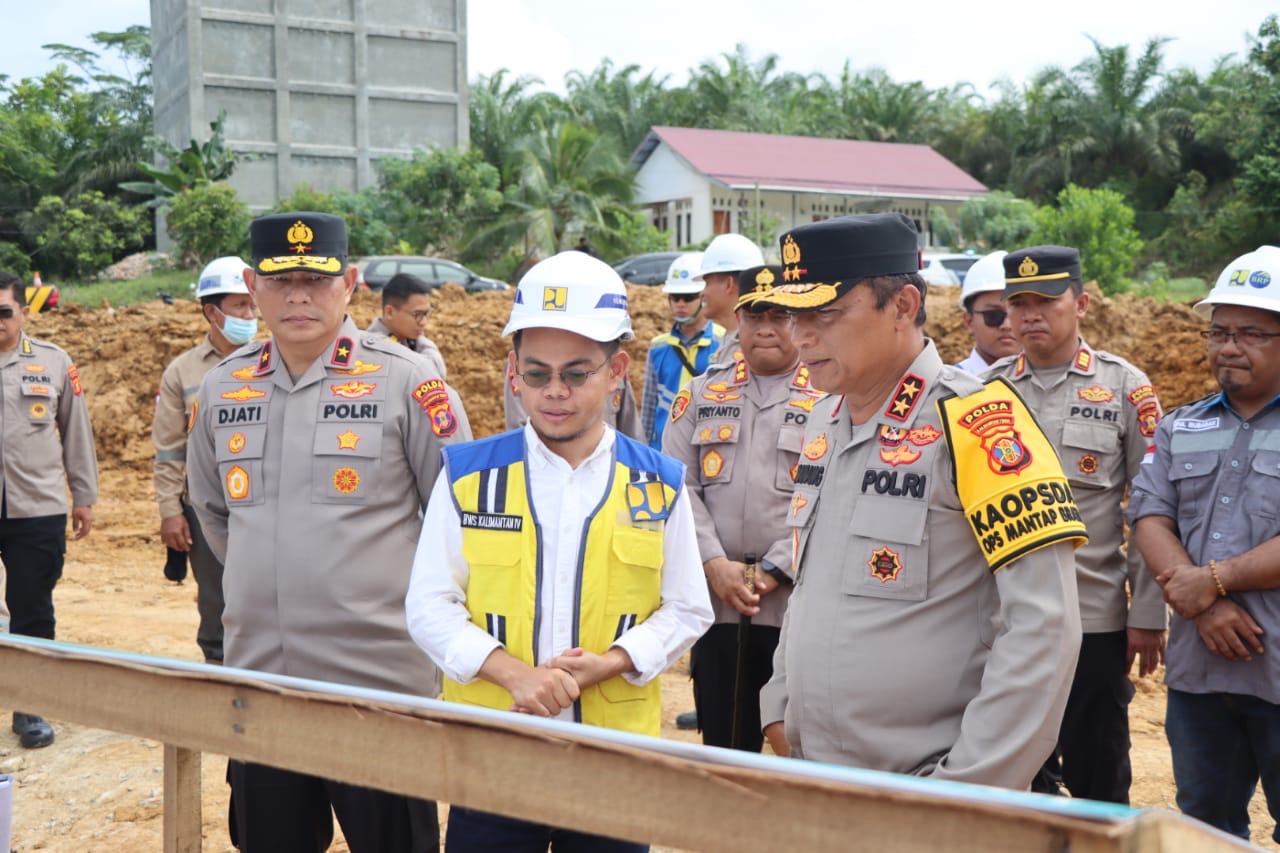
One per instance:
(1101, 414)
(739, 436)
(1218, 477)
(900, 650)
(311, 492)
(422, 345)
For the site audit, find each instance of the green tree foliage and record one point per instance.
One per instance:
(997, 220)
(208, 221)
(366, 214)
(437, 198)
(568, 175)
(79, 237)
(198, 163)
(1100, 225)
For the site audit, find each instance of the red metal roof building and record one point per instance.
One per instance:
(698, 182)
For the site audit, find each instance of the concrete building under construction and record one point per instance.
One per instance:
(318, 89)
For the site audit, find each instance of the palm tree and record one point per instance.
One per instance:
(569, 179)
(618, 105)
(503, 114)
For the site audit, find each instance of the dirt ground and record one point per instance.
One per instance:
(99, 792)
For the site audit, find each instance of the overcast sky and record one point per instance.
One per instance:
(935, 41)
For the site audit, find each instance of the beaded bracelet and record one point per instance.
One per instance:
(1213, 570)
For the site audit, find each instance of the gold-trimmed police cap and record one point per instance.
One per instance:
(305, 240)
(1045, 270)
(755, 282)
(823, 261)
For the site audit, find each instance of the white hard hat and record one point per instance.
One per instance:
(730, 253)
(681, 275)
(986, 274)
(1251, 280)
(575, 292)
(223, 275)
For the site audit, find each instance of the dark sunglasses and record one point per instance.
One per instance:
(684, 297)
(576, 378)
(993, 317)
(7, 312)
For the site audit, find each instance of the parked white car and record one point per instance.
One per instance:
(947, 268)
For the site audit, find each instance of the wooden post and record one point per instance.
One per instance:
(183, 820)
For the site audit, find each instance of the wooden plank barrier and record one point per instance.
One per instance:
(611, 783)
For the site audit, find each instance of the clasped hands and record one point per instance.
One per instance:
(551, 687)
(1226, 628)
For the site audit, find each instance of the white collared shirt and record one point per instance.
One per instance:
(562, 498)
(975, 363)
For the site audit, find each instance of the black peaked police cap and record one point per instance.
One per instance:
(754, 282)
(823, 261)
(284, 242)
(1046, 270)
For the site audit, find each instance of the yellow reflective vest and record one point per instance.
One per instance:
(619, 579)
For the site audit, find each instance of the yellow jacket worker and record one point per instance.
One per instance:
(558, 571)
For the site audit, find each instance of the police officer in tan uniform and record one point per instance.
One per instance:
(934, 626)
(406, 307)
(738, 429)
(233, 322)
(312, 456)
(48, 446)
(1100, 412)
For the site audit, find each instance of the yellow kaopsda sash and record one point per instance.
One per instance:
(1008, 475)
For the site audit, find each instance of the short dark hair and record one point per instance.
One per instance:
(609, 347)
(886, 286)
(9, 281)
(1077, 286)
(401, 286)
(214, 299)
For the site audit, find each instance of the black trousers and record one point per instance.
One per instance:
(1092, 758)
(208, 574)
(713, 665)
(33, 550)
(279, 811)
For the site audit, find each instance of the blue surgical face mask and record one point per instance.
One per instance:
(238, 331)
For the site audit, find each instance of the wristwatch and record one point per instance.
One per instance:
(774, 572)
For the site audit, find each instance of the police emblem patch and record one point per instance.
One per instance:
(901, 455)
(360, 368)
(236, 443)
(1096, 394)
(74, 375)
(39, 410)
(817, 448)
(1148, 418)
(242, 394)
(798, 502)
(237, 482)
(725, 433)
(885, 564)
(1142, 392)
(992, 423)
(712, 464)
(679, 404)
(346, 480)
(924, 436)
(353, 390)
(243, 373)
(1088, 464)
(348, 440)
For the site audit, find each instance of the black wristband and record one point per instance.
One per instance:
(774, 572)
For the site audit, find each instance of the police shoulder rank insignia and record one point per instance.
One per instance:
(1096, 394)
(741, 373)
(264, 359)
(1084, 359)
(73, 374)
(904, 399)
(342, 349)
(680, 404)
(801, 379)
(885, 564)
(1007, 475)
